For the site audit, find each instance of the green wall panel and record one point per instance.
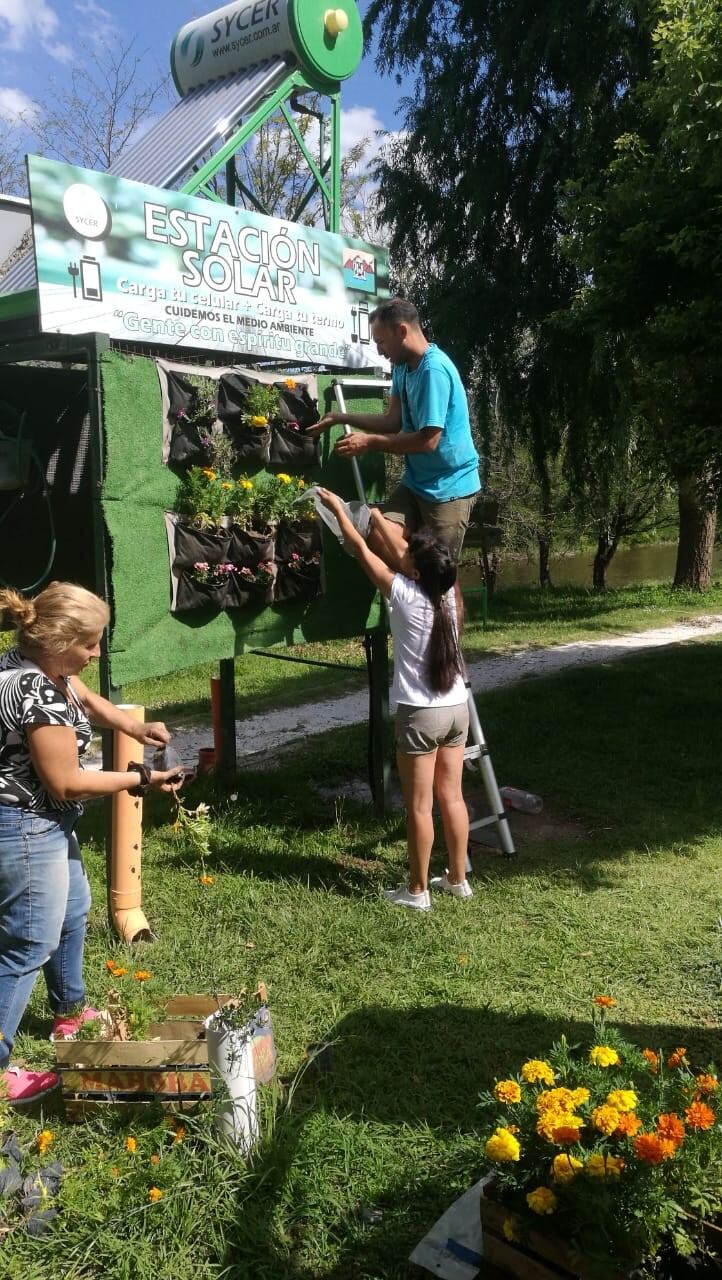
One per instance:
(147, 639)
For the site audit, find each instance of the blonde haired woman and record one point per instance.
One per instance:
(45, 717)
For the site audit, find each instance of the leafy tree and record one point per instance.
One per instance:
(646, 233)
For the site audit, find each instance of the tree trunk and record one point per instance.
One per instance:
(545, 547)
(697, 525)
(606, 548)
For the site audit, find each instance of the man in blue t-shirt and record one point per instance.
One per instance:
(427, 420)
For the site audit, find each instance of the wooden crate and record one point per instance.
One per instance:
(169, 1068)
(541, 1257)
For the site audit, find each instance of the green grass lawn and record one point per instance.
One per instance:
(364, 1148)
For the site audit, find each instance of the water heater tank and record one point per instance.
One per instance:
(322, 37)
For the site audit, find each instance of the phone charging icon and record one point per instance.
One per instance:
(90, 282)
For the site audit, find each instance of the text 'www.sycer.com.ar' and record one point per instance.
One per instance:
(233, 45)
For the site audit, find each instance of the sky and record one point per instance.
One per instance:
(40, 38)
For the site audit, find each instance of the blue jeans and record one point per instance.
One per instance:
(44, 904)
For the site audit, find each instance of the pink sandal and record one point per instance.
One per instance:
(19, 1085)
(66, 1024)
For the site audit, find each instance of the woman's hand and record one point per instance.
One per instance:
(153, 734)
(167, 779)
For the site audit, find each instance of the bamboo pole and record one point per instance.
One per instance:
(127, 838)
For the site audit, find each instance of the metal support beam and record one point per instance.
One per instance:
(335, 209)
(236, 141)
(376, 645)
(300, 142)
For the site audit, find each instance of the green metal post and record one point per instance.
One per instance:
(335, 210)
(376, 644)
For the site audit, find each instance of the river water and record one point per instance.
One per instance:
(630, 567)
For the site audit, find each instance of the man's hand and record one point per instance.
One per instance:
(349, 446)
(154, 734)
(329, 420)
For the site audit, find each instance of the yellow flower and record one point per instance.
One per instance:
(462, 960)
(622, 1099)
(507, 1091)
(605, 1119)
(142, 975)
(559, 1099)
(131, 1145)
(285, 479)
(603, 1056)
(542, 1200)
(155, 1194)
(291, 384)
(245, 484)
(565, 1167)
(559, 1126)
(599, 1166)
(535, 1069)
(226, 485)
(503, 1147)
(510, 1227)
(258, 420)
(45, 1140)
(179, 1133)
(209, 473)
(579, 1097)
(207, 879)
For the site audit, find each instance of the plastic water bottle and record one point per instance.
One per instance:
(166, 758)
(524, 801)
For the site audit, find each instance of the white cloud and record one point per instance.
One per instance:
(99, 26)
(358, 123)
(27, 18)
(61, 52)
(16, 107)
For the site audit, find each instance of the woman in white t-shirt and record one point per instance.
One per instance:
(432, 718)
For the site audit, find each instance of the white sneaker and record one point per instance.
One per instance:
(461, 890)
(403, 897)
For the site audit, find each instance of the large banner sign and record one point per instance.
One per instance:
(149, 265)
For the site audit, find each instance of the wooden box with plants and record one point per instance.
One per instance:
(606, 1163)
(125, 1059)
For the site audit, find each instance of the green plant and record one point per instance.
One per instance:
(203, 409)
(615, 1149)
(274, 499)
(261, 405)
(242, 501)
(204, 497)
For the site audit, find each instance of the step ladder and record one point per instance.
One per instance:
(476, 750)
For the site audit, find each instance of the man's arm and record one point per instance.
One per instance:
(402, 442)
(380, 423)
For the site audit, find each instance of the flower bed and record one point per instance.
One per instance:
(611, 1155)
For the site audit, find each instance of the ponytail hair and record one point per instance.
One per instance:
(437, 574)
(62, 615)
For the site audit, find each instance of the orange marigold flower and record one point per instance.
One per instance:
(155, 1159)
(652, 1149)
(629, 1124)
(507, 1091)
(131, 1145)
(110, 965)
(699, 1116)
(142, 975)
(207, 879)
(155, 1194)
(652, 1060)
(179, 1133)
(677, 1058)
(670, 1126)
(45, 1139)
(119, 971)
(565, 1135)
(707, 1084)
(115, 1171)
(605, 1002)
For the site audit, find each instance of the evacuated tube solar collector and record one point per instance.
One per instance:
(324, 40)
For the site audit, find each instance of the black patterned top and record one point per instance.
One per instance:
(28, 697)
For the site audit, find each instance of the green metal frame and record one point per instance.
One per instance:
(326, 175)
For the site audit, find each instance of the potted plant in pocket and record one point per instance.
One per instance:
(251, 528)
(193, 413)
(205, 584)
(298, 544)
(255, 582)
(201, 506)
(298, 578)
(602, 1160)
(292, 449)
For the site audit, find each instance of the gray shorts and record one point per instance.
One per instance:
(448, 521)
(420, 730)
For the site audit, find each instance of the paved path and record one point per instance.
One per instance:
(270, 731)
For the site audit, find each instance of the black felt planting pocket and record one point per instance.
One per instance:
(199, 546)
(192, 594)
(300, 539)
(293, 451)
(188, 437)
(249, 592)
(247, 549)
(291, 583)
(252, 444)
(297, 406)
